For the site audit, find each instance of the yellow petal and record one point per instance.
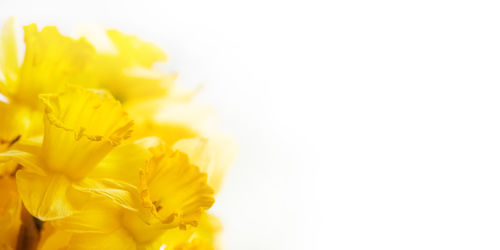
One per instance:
(143, 233)
(96, 216)
(31, 145)
(119, 239)
(135, 51)
(170, 133)
(174, 191)
(29, 161)
(213, 155)
(45, 197)
(171, 121)
(134, 84)
(196, 116)
(8, 55)
(124, 161)
(81, 127)
(120, 193)
(51, 61)
(124, 66)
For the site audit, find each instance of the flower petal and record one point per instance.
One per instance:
(204, 236)
(8, 56)
(96, 216)
(213, 155)
(124, 161)
(119, 239)
(51, 61)
(45, 197)
(120, 193)
(29, 161)
(135, 51)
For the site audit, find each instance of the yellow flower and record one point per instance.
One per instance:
(81, 127)
(172, 194)
(51, 61)
(69, 158)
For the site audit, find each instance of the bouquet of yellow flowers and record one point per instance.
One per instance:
(101, 150)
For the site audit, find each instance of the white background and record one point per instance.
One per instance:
(361, 124)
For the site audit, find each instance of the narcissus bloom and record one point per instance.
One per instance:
(81, 126)
(99, 149)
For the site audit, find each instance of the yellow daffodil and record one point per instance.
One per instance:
(73, 174)
(81, 127)
(172, 196)
(51, 61)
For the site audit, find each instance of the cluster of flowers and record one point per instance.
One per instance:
(101, 150)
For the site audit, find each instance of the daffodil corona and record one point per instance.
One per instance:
(101, 150)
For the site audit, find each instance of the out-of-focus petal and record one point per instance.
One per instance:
(8, 56)
(213, 155)
(132, 49)
(52, 61)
